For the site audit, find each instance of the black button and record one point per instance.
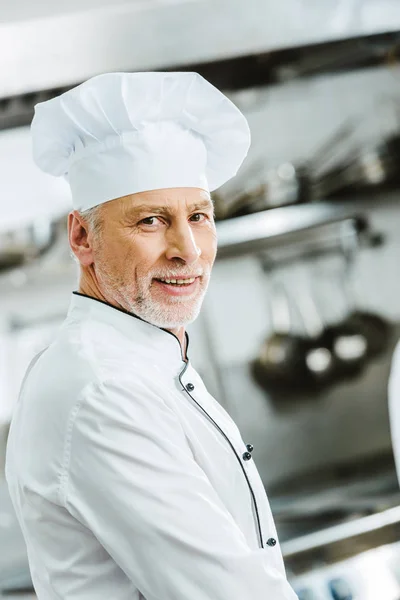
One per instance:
(250, 447)
(246, 456)
(271, 542)
(190, 387)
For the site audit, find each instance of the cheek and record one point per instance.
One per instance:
(104, 253)
(207, 242)
(140, 253)
(110, 255)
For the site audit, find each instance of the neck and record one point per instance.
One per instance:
(180, 334)
(89, 288)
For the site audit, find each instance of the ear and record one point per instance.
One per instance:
(79, 239)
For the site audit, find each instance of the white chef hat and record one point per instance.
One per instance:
(122, 133)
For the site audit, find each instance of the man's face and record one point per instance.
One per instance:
(149, 239)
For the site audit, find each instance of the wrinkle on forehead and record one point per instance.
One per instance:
(165, 201)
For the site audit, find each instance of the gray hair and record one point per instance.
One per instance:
(93, 218)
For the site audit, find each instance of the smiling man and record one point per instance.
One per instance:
(153, 259)
(128, 479)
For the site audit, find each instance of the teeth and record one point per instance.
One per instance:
(179, 281)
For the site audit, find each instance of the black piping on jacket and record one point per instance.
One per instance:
(195, 401)
(235, 453)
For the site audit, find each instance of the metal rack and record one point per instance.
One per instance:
(294, 232)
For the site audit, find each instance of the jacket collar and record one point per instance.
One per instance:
(155, 343)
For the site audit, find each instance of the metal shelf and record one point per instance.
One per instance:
(386, 522)
(116, 37)
(310, 226)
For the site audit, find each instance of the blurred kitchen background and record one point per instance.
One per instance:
(302, 316)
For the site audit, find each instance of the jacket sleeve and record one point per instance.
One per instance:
(130, 478)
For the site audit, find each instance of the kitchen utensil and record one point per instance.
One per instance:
(332, 148)
(22, 246)
(279, 364)
(364, 170)
(376, 329)
(348, 345)
(318, 356)
(290, 363)
(345, 340)
(269, 187)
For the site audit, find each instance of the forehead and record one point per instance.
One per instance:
(171, 200)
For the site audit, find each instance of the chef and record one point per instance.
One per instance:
(128, 478)
(394, 406)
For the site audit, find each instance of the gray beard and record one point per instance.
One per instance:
(165, 317)
(143, 306)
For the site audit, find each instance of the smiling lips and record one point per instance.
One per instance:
(180, 281)
(176, 287)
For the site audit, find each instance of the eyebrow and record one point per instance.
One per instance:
(138, 209)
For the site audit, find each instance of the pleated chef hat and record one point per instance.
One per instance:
(122, 133)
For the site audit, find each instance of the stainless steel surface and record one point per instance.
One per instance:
(140, 35)
(347, 423)
(308, 225)
(13, 596)
(345, 532)
(371, 575)
(25, 245)
(280, 185)
(295, 436)
(359, 560)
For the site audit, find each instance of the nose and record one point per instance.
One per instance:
(182, 244)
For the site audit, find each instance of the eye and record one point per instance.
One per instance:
(198, 217)
(148, 221)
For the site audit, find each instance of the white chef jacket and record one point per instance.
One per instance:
(394, 406)
(128, 478)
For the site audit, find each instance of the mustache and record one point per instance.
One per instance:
(177, 275)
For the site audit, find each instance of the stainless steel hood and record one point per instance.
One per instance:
(43, 50)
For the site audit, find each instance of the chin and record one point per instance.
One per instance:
(166, 313)
(173, 324)
(165, 320)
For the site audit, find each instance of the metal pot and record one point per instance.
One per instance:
(289, 363)
(279, 364)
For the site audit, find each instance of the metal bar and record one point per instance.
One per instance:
(342, 532)
(293, 229)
